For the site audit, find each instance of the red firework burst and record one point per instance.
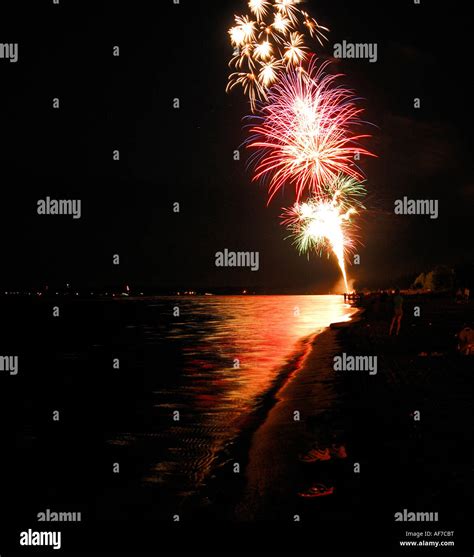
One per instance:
(304, 134)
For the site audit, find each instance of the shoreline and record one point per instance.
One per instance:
(225, 489)
(404, 463)
(272, 473)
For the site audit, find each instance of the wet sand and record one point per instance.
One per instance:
(274, 469)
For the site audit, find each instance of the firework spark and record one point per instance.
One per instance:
(323, 223)
(259, 8)
(275, 30)
(295, 50)
(251, 85)
(289, 9)
(281, 24)
(269, 72)
(263, 50)
(304, 134)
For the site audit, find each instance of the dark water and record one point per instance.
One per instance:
(213, 364)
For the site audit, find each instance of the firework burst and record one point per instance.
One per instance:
(324, 222)
(274, 32)
(307, 134)
(303, 133)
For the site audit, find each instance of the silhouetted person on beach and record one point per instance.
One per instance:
(466, 341)
(397, 311)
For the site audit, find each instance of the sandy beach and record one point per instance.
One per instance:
(382, 459)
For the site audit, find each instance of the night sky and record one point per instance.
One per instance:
(186, 155)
